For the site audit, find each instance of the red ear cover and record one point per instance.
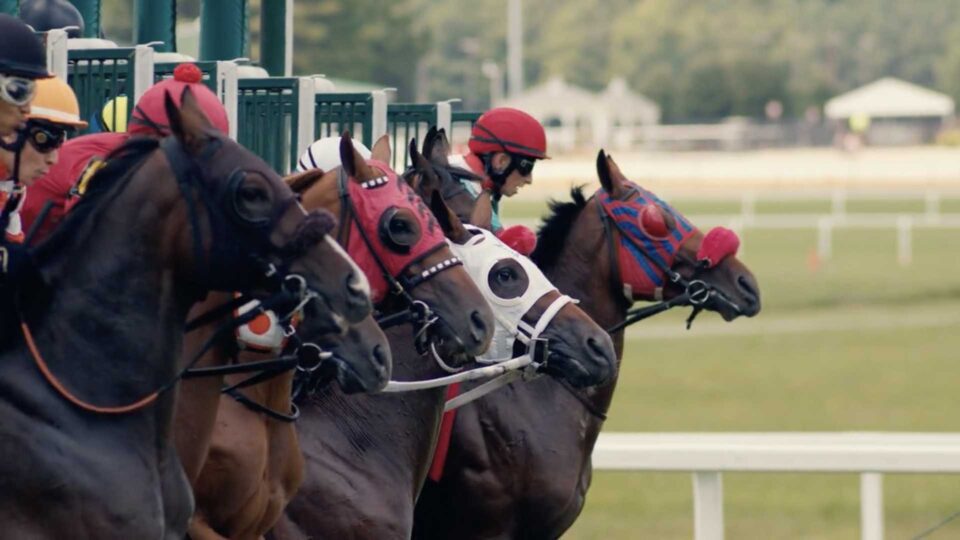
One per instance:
(520, 239)
(652, 221)
(717, 245)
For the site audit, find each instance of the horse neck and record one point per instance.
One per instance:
(584, 271)
(114, 302)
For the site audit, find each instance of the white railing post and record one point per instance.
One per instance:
(306, 108)
(227, 91)
(825, 238)
(871, 506)
(445, 116)
(905, 240)
(57, 53)
(839, 204)
(707, 506)
(143, 75)
(379, 123)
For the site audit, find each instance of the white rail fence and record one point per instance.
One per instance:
(708, 455)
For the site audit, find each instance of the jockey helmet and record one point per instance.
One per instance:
(55, 103)
(508, 130)
(113, 116)
(21, 52)
(45, 15)
(324, 154)
(150, 116)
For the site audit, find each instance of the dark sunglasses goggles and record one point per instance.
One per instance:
(523, 165)
(45, 138)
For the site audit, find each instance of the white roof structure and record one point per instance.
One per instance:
(555, 98)
(628, 107)
(890, 98)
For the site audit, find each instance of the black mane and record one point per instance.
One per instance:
(121, 164)
(553, 232)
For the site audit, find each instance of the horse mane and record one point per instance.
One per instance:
(553, 232)
(121, 164)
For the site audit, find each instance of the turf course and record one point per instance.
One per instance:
(854, 343)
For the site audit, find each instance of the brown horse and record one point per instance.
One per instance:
(519, 461)
(254, 465)
(86, 450)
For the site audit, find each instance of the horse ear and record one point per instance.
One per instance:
(300, 182)
(449, 222)
(429, 181)
(440, 149)
(192, 126)
(609, 174)
(428, 140)
(381, 149)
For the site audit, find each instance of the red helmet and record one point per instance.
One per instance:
(508, 130)
(150, 117)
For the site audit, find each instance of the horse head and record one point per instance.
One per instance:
(401, 248)
(662, 256)
(526, 306)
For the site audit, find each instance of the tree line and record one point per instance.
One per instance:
(699, 59)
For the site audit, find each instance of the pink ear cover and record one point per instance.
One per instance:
(652, 221)
(717, 245)
(520, 239)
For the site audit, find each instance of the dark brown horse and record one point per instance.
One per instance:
(86, 447)
(519, 462)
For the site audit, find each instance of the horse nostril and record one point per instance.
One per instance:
(748, 290)
(478, 328)
(380, 357)
(355, 285)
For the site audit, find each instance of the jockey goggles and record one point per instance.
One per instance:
(17, 91)
(523, 165)
(45, 138)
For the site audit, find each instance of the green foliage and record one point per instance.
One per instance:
(699, 59)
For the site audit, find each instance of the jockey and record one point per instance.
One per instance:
(31, 152)
(85, 154)
(324, 154)
(22, 61)
(504, 146)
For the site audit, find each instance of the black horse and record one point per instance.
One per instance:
(85, 382)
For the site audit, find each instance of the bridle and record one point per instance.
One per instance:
(413, 311)
(697, 293)
(288, 292)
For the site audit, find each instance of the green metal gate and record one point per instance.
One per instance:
(267, 119)
(335, 113)
(99, 75)
(407, 121)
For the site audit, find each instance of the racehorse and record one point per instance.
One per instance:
(86, 413)
(519, 465)
(254, 466)
(366, 485)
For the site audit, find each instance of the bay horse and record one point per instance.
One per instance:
(519, 465)
(86, 413)
(366, 469)
(254, 465)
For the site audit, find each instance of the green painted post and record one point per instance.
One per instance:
(156, 20)
(10, 7)
(90, 9)
(223, 29)
(276, 36)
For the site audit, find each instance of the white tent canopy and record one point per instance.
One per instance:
(890, 98)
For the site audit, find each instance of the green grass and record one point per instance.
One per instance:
(846, 375)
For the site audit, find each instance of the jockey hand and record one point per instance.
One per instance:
(491, 187)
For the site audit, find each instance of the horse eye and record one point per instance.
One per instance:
(399, 226)
(506, 274)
